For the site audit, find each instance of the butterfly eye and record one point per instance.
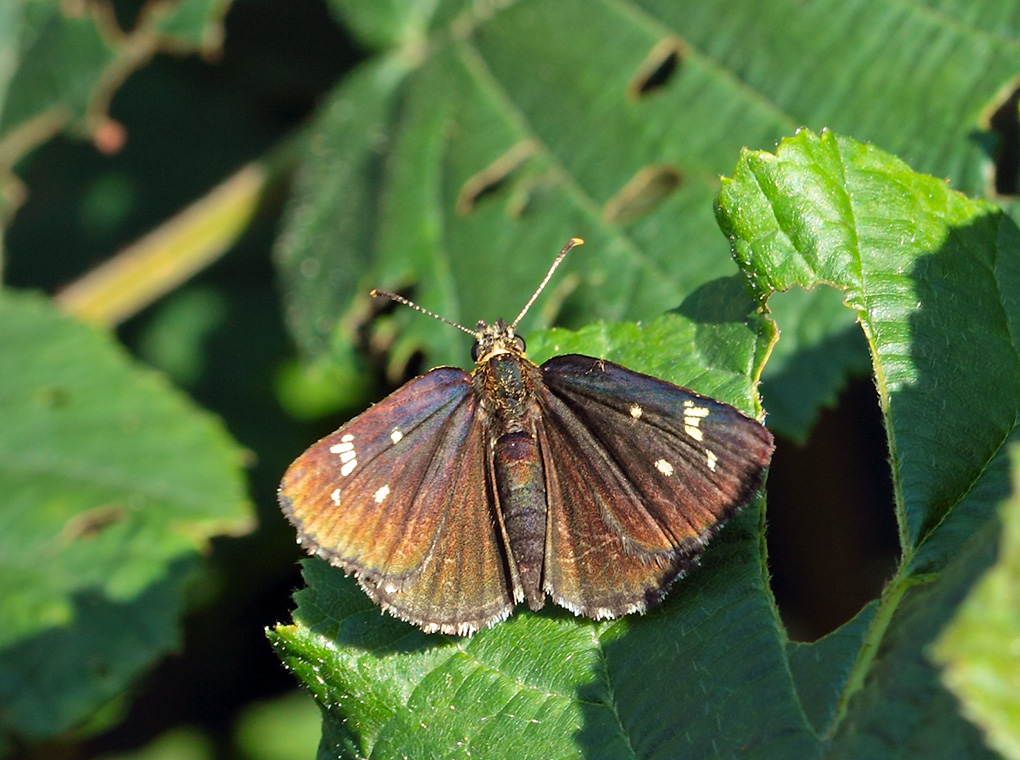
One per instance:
(476, 351)
(519, 342)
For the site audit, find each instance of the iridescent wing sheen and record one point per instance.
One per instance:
(640, 474)
(401, 497)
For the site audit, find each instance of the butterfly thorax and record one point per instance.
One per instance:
(505, 382)
(504, 378)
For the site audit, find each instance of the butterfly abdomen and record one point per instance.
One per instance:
(507, 382)
(520, 485)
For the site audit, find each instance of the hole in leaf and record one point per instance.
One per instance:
(490, 179)
(379, 339)
(642, 194)
(832, 536)
(54, 396)
(658, 67)
(376, 329)
(1004, 125)
(92, 522)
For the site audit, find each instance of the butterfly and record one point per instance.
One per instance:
(462, 494)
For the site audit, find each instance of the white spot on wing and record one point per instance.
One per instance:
(664, 467)
(381, 494)
(348, 456)
(712, 459)
(396, 436)
(693, 415)
(335, 496)
(636, 411)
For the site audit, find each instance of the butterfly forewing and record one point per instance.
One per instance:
(640, 473)
(386, 496)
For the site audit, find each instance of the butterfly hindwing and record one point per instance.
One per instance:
(639, 473)
(394, 497)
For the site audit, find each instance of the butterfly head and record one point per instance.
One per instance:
(492, 340)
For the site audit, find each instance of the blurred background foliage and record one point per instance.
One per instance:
(105, 135)
(115, 117)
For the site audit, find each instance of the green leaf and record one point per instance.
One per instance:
(113, 484)
(932, 277)
(514, 126)
(978, 652)
(548, 685)
(934, 280)
(452, 195)
(58, 59)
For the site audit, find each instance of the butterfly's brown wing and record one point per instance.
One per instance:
(393, 497)
(640, 473)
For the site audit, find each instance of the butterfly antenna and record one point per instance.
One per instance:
(566, 249)
(376, 293)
